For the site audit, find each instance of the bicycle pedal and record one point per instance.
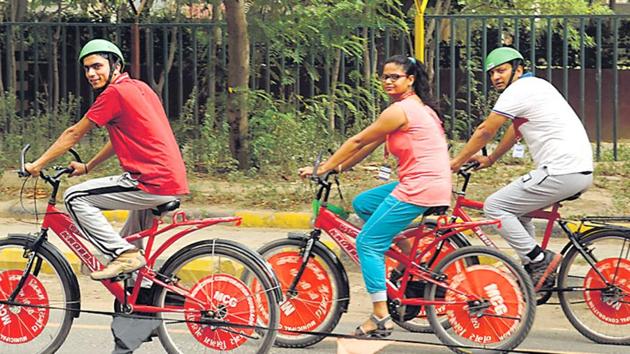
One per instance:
(121, 277)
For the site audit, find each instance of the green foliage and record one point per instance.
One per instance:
(539, 8)
(40, 129)
(205, 148)
(283, 138)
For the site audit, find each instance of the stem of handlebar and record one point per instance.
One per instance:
(464, 171)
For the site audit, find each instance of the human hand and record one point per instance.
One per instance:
(305, 172)
(456, 165)
(483, 161)
(33, 169)
(79, 168)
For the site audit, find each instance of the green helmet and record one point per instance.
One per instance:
(501, 56)
(100, 46)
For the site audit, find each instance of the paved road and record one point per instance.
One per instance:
(91, 333)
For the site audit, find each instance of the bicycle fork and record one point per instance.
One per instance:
(30, 252)
(306, 254)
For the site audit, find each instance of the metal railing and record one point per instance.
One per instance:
(586, 57)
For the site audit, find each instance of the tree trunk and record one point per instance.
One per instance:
(135, 50)
(238, 79)
(441, 8)
(334, 78)
(215, 42)
(135, 36)
(158, 86)
(17, 13)
(55, 63)
(367, 65)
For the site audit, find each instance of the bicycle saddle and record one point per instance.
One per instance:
(438, 210)
(573, 197)
(166, 207)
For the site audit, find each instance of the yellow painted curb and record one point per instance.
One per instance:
(116, 215)
(269, 219)
(192, 272)
(13, 259)
(333, 246)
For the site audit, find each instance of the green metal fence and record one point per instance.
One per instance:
(586, 57)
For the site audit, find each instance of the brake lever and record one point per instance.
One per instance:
(76, 155)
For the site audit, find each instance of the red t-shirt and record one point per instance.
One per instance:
(141, 135)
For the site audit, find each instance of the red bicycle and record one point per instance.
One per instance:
(473, 296)
(593, 282)
(203, 293)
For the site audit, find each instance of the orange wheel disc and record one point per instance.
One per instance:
(610, 306)
(500, 307)
(21, 324)
(309, 307)
(223, 298)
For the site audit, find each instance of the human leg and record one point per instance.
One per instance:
(532, 191)
(366, 202)
(85, 202)
(391, 217)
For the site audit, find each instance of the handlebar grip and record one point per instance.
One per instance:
(469, 166)
(23, 172)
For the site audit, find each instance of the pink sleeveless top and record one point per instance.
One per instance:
(423, 163)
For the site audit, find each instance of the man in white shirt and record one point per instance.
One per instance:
(557, 143)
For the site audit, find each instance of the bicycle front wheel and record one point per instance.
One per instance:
(489, 301)
(596, 300)
(224, 285)
(33, 329)
(316, 304)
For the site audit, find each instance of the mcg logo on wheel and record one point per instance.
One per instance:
(21, 324)
(226, 300)
(491, 322)
(613, 304)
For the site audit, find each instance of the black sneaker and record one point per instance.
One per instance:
(543, 273)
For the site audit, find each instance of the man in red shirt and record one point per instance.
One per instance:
(141, 137)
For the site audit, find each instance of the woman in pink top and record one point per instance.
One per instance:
(414, 135)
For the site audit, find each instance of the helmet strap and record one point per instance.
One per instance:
(111, 74)
(514, 67)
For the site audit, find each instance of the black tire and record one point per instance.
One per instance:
(290, 315)
(52, 275)
(238, 283)
(420, 323)
(586, 309)
(498, 325)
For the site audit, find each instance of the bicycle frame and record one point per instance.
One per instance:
(552, 216)
(63, 226)
(342, 232)
(461, 202)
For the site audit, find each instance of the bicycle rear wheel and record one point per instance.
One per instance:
(33, 329)
(225, 285)
(597, 300)
(490, 303)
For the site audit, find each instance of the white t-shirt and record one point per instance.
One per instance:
(553, 132)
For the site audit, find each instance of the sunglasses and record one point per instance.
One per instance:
(392, 77)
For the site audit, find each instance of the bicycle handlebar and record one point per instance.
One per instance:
(323, 179)
(22, 172)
